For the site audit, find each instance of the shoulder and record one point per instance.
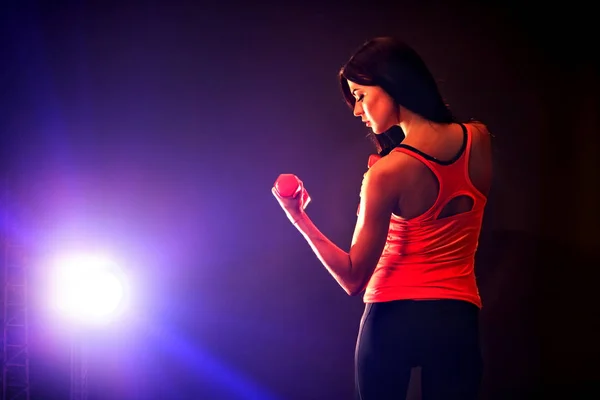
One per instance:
(482, 137)
(394, 169)
(479, 130)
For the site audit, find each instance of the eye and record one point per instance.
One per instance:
(360, 98)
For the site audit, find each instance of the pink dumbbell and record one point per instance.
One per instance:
(288, 185)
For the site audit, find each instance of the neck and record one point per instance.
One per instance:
(414, 124)
(411, 122)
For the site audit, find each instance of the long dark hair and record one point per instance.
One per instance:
(398, 69)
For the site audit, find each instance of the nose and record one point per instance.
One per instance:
(357, 109)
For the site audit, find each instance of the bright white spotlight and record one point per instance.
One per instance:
(88, 289)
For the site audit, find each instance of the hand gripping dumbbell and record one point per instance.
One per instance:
(288, 185)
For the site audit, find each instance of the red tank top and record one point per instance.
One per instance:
(429, 257)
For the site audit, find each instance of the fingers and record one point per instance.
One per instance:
(283, 201)
(274, 192)
(297, 195)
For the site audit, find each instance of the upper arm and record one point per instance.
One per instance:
(377, 201)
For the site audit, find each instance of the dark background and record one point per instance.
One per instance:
(155, 130)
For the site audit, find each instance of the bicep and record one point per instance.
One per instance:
(376, 204)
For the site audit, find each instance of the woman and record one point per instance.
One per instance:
(419, 220)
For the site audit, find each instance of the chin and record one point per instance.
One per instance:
(376, 130)
(379, 129)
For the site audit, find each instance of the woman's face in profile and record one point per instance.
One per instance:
(374, 106)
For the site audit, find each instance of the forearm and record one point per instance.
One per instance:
(334, 259)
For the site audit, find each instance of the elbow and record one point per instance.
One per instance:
(350, 291)
(354, 289)
(357, 281)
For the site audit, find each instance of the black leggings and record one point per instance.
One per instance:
(440, 336)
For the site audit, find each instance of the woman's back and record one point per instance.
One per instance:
(418, 187)
(442, 184)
